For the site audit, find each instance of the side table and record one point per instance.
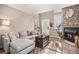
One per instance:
(42, 42)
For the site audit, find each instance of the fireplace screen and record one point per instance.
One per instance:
(70, 33)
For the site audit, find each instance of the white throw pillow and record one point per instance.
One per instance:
(12, 36)
(17, 34)
(23, 34)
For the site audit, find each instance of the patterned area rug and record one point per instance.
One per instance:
(47, 50)
(50, 49)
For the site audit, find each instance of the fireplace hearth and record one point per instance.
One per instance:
(70, 33)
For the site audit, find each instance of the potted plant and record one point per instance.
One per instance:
(59, 32)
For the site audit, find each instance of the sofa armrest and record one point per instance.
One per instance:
(6, 42)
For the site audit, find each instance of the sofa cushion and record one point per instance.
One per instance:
(19, 45)
(22, 33)
(17, 34)
(12, 36)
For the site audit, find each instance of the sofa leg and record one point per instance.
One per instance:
(32, 52)
(9, 53)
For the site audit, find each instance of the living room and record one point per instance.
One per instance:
(39, 29)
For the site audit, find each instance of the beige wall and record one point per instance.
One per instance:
(45, 15)
(19, 21)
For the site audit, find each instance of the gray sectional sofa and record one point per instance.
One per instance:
(18, 42)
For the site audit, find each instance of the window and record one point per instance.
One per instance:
(57, 22)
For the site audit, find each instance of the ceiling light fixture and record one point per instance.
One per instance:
(5, 22)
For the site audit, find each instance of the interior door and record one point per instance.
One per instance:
(45, 26)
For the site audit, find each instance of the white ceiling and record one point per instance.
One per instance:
(38, 8)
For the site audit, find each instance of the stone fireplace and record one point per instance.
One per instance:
(70, 22)
(70, 33)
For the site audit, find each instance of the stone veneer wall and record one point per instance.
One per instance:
(70, 21)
